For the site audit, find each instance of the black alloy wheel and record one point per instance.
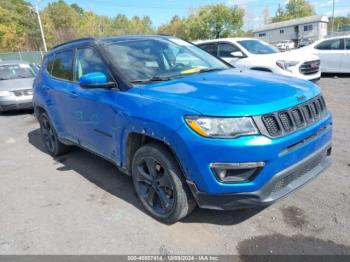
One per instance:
(160, 184)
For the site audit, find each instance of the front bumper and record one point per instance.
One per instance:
(296, 73)
(9, 103)
(283, 183)
(196, 154)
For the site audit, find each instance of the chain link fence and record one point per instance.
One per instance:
(32, 56)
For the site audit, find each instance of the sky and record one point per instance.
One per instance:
(161, 11)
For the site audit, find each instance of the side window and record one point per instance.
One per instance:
(49, 64)
(347, 42)
(63, 65)
(336, 44)
(308, 28)
(210, 48)
(225, 50)
(89, 61)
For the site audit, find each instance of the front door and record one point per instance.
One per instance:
(96, 113)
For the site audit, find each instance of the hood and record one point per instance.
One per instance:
(16, 84)
(232, 92)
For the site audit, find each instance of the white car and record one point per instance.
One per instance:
(334, 54)
(248, 53)
(286, 45)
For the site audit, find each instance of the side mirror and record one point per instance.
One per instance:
(95, 80)
(238, 54)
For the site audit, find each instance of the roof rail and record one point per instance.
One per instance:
(73, 41)
(165, 34)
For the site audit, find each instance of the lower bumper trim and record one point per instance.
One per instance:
(16, 106)
(281, 184)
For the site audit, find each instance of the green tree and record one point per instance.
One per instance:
(339, 23)
(19, 29)
(293, 9)
(176, 27)
(299, 8)
(120, 24)
(139, 25)
(77, 8)
(60, 22)
(215, 21)
(87, 25)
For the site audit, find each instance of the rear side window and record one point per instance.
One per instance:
(49, 64)
(225, 50)
(211, 49)
(336, 44)
(63, 65)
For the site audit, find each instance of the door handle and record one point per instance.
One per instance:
(74, 94)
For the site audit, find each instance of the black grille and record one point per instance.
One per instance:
(286, 121)
(26, 92)
(318, 106)
(272, 125)
(307, 113)
(289, 120)
(298, 117)
(313, 109)
(309, 68)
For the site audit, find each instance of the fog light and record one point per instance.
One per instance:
(236, 172)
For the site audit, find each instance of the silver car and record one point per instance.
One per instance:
(16, 80)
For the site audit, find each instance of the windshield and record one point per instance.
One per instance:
(158, 59)
(16, 71)
(258, 47)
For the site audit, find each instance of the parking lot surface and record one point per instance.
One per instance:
(80, 204)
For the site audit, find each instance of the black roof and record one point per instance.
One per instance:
(74, 41)
(112, 39)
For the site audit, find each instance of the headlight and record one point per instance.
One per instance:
(286, 64)
(5, 93)
(222, 127)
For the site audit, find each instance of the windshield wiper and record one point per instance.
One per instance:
(152, 79)
(206, 70)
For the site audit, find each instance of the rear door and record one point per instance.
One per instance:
(60, 88)
(331, 53)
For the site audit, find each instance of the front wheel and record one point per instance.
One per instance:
(160, 185)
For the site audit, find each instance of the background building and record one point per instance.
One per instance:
(312, 27)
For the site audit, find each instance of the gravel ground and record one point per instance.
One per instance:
(80, 204)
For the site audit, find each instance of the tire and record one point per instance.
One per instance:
(50, 138)
(160, 184)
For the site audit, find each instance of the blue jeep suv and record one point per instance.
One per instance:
(190, 129)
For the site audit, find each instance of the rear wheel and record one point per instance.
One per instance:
(49, 136)
(160, 185)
